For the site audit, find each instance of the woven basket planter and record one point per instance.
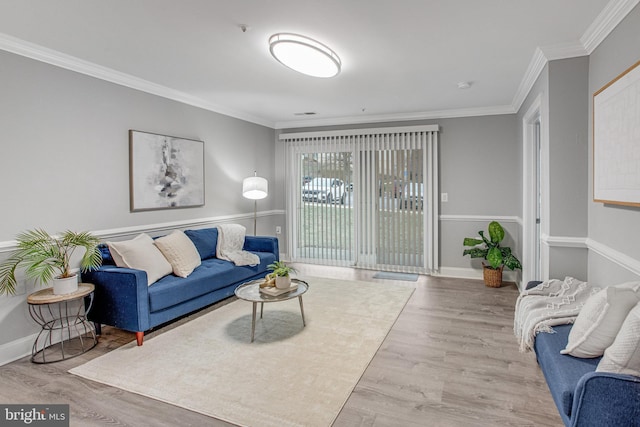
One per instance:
(492, 278)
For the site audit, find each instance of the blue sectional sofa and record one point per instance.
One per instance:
(584, 397)
(123, 299)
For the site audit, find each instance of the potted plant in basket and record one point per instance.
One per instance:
(497, 256)
(46, 259)
(281, 272)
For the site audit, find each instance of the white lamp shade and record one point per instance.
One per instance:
(304, 55)
(255, 188)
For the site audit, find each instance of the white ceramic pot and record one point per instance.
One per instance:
(65, 285)
(283, 282)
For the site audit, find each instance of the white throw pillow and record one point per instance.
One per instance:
(599, 321)
(623, 356)
(180, 251)
(140, 253)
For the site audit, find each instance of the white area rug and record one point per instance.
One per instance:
(289, 376)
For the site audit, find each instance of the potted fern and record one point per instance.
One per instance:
(46, 259)
(281, 271)
(497, 256)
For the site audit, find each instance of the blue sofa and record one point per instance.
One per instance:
(122, 298)
(584, 397)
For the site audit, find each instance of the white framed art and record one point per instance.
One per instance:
(165, 172)
(616, 140)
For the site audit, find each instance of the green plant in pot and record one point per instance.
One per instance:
(282, 272)
(47, 258)
(496, 256)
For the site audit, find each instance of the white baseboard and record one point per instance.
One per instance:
(16, 349)
(22, 347)
(471, 273)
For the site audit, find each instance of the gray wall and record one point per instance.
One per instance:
(568, 174)
(568, 146)
(615, 227)
(562, 88)
(65, 160)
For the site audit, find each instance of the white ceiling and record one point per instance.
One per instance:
(402, 59)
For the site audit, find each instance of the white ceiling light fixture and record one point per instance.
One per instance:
(304, 55)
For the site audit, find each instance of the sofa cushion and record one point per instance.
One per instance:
(562, 372)
(623, 356)
(205, 241)
(105, 254)
(211, 275)
(140, 253)
(179, 250)
(599, 321)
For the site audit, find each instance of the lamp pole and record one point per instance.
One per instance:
(255, 187)
(255, 216)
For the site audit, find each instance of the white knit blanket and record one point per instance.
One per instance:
(230, 244)
(553, 302)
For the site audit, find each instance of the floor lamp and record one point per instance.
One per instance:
(255, 188)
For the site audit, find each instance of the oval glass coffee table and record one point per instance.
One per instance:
(250, 291)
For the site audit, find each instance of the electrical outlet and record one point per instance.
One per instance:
(444, 197)
(278, 229)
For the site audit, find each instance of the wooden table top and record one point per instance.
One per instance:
(46, 296)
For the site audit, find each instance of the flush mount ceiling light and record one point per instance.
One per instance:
(304, 55)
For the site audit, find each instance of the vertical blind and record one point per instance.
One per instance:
(363, 198)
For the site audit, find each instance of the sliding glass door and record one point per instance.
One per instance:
(362, 201)
(325, 216)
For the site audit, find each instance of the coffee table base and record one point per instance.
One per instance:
(253, 317)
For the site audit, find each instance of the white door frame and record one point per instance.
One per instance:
(530, 190)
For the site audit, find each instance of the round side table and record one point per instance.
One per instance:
(66, 332)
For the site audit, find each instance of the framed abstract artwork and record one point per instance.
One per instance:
(616, 140)
(165, 172)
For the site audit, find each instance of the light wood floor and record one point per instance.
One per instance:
(450, 360)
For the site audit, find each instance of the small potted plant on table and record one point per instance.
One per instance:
(46, 259)
(281, 272)
(497, 256)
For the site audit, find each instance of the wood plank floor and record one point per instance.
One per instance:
(450, 360)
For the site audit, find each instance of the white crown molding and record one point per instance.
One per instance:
(116, 233)
(563, 51)
(536, 65)
(613, 13)
(59, 59)
(382, 118)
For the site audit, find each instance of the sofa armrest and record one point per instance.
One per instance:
(532, 284)
(121, 298)
(606, 399)
(262, 244)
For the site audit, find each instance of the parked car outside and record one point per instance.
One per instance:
(412, 196)
(326, 190)
(392, 188)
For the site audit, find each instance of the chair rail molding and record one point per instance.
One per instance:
(10, 245)
(564, 241)
(617, 257)
(481, 218)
